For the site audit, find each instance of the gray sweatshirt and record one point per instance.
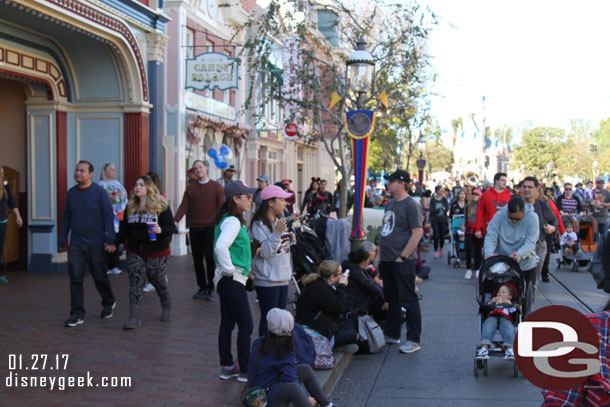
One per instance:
(272, 266)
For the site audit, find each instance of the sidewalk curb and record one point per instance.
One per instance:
(329, 378)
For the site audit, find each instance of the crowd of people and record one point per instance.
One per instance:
(240, 240)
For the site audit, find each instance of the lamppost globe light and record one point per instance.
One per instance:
(595, 164)
(360, 67)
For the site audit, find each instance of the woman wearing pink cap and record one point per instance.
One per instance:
(474, 245)
(271, 266)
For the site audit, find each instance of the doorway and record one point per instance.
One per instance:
(13, 161)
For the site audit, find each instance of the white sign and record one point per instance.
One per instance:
(292, 86)
(212, 70)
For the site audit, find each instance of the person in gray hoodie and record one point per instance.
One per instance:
(513, 231)
(271, 266)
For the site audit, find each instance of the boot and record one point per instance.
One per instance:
(166, 314)
(134, 317)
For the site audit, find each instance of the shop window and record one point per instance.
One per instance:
(189, 43)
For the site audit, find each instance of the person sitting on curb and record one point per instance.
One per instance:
(273, 366)
(322, 306)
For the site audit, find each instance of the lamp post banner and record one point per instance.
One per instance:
(359, 124)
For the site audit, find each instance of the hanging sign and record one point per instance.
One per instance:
(212, 70)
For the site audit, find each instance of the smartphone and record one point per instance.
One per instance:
(346, 273)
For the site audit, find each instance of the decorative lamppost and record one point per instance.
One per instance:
(360, 69)
(421, 165)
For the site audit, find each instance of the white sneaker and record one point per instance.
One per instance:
(116, 271)
(482, 353)
(418, 280)
(468, 274)
(509, 355)
(148, 288)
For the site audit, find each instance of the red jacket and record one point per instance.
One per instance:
(560, 226)
(489, 204)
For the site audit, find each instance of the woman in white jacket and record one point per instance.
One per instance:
(272, 266)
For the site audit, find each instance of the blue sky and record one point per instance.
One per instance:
(542, 61)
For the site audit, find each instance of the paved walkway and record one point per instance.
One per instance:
(441, 374)
(170, 364)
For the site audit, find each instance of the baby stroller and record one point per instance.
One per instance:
(494, 272)
(567, 256)
(586, 230)
(308, 252)
(458, 242)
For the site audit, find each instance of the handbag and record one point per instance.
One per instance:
(255, 396)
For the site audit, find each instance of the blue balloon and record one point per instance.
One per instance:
(221, 157)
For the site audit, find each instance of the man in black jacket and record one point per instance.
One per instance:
(546, 220)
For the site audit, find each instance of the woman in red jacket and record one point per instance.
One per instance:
(549, 238)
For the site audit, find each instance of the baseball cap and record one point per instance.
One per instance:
(287, 181)
(398, 175)
(231, 168)
(477, 191)
(236, 188)
(273, 191)
(280, 322)
(263, 177)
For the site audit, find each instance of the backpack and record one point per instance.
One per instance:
(371, 333)
(596, 265)
(325, 360)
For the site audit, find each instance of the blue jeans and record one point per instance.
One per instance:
(399, 290)
(602, 228)
(270, 297)
(507, 329)
(234, 309)
(79, 258)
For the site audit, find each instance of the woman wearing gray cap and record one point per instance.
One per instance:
(233, 259)
(273, 366)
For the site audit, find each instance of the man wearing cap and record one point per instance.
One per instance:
(400, 235)
(600, 204)
(263, 182)
(202, 199)
(291, 200)
(227, 176)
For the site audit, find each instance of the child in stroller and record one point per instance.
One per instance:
(503, 296)
(502, 319)
(569, 241)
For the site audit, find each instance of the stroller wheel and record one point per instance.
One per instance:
(485, 368)
(515, 370)
(476, 368)
(574, 266)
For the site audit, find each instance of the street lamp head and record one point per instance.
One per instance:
(360, 67)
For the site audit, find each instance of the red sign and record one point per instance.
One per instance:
(291, 130)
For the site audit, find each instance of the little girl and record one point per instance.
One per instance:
(501, 318)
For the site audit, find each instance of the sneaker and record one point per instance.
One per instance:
(436, 255)
(243, 377)
(468, 274)
(391, 341)
(418, 280)
(210, 296)
(148, 288)
(73, 321)
(116, 271)
(509, 354)
(3, 280)
(424, 248)
(107, 311)
(545, 279)
(442, 252)
(200, 294)
(482, 353)
(228, 372)
(409, 347)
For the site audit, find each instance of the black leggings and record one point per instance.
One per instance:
(474, 248)
(3, 227)
(439, 232)
(286, 393)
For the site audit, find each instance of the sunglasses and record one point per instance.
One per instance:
(568, 189)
